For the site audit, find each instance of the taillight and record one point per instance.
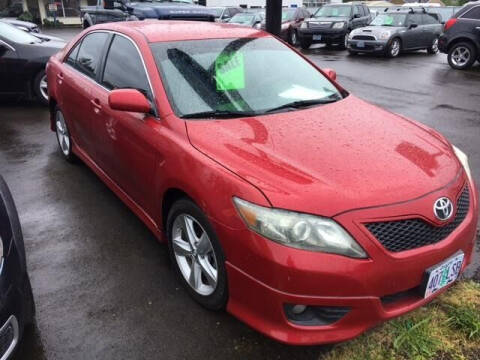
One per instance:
(449, 24)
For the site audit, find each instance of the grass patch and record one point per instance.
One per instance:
(446, 329)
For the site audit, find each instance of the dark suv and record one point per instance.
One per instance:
(461, 37)
(332, 23)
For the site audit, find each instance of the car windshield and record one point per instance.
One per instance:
(240, 76)
(287, 15)
(216, 11)
(16, 35)
(389, 20)
(244, 19)
(333, 11)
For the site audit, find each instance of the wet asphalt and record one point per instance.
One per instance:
(103, 286)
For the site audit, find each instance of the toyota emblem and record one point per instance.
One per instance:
(443, 208)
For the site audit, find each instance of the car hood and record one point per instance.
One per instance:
(327, 19)
(376, 30)
(53, 39)
(340, 156)
(16, 22)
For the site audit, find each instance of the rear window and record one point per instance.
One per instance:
(90, 53)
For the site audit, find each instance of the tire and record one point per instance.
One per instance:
(352, 52)
(208, 285)
(40, 87)
(344, 45)
(29, 305)
(64, 138)
(293, 37)
(305, 44)
(462, 55)
(433, 49)
(394, 48)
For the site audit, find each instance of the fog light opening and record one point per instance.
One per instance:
(312, 315)
(298, 309)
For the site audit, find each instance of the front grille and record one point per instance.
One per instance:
(6, 338)
(410, 234)
(363, 37)
(319, 25)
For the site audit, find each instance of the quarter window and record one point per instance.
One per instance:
(90, 53)
(473, 14)
(429, 19)
(124, 68)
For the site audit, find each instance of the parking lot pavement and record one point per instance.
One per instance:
(103, 286)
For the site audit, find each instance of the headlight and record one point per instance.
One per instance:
(385, 35)
(463, 158)
(301, 231)
(304, 25)
(339, 25)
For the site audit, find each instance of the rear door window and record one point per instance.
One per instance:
(473, 13)
(124, 67)
(90, 53)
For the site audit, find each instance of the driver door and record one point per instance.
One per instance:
(413, 37)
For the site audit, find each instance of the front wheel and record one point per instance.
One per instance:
(293, 40)
(40, 87)
(345, 41)
(305, 44)
(461, 56)
(197, 255)
(433, 49)
(393, 50)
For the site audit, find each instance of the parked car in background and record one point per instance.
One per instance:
(124, 10)
(17, 308)
(332, 24)
(251, 19)
(23, 57)
(22, 25)
(392, 32)
(292, 18)
(303, 210)
(461, 37)
(224, 13)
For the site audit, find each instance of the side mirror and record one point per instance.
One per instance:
(128, 100)
(413, 26)
(356, 16)
(331, 74)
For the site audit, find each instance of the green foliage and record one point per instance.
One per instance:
(26, 16)
(414, 339)
(464, 318)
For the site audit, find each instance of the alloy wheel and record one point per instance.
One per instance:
(434, 47)
(194, 254)
(293, 37)
(461, 56)
(345, 42)
(395, 48)
(43, 87)
(62, 133)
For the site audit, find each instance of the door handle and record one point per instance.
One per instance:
(60, 78)
(96, 105)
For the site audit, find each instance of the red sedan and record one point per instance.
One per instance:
(306, 212)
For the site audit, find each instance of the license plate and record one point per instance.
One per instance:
(443, 274)
(361, 44)
(317, 37)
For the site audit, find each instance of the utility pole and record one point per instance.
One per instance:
(274, 17)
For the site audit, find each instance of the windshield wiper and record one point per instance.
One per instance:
(219, 114)
(303, 103)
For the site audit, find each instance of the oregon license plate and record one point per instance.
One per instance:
(317, 37)
(361, 44)
(443, 274)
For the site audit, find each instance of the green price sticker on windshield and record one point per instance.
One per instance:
(388, 20)
(230, 72)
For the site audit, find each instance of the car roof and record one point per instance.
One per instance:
(173, 30)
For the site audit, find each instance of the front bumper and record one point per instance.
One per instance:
(264, 276)
(367, 46)
(327, 35)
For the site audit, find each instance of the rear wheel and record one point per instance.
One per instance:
(462, 55)
(40, 87)
(197, 255)
(63, 136)
(433, 49)
(393, 49)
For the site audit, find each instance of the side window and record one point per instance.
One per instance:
(90, 52)
(414, 19)
(72, 57)
(356, 11)
(366, 10)
(473, 13)
(429, 19)
(124, 68)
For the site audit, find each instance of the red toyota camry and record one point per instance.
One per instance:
(306, 212)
